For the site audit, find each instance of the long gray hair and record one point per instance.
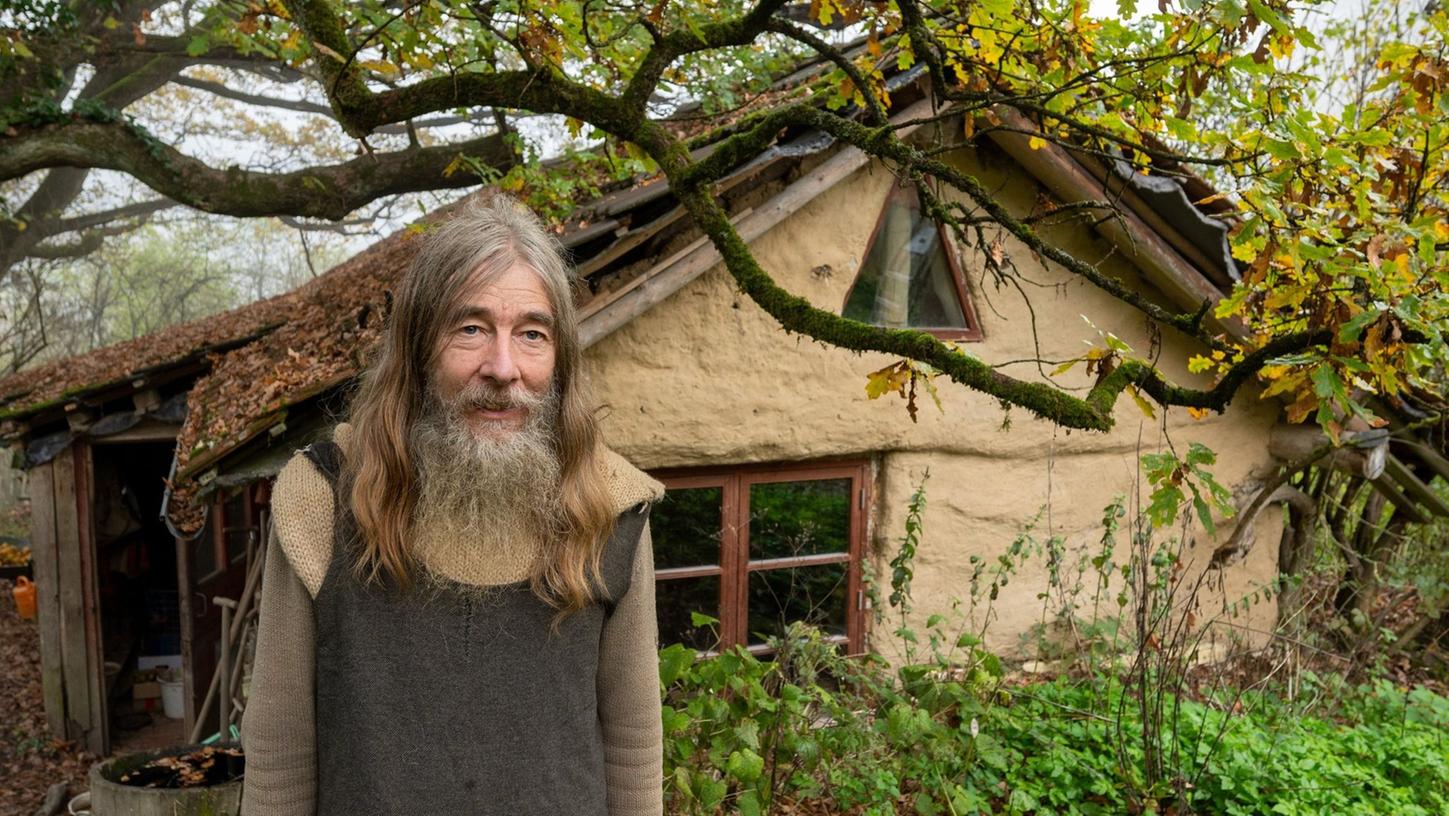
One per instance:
(484, 238)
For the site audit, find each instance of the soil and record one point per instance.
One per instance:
(204, 767)
(31, 758)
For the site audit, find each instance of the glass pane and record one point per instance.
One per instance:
(906, 278)
(686, 527)
(675, 599)
(815, 595)
(799, 518)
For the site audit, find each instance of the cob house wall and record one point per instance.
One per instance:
(707, 379)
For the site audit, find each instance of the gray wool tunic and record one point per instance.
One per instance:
(451, 700)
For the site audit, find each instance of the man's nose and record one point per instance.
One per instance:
(498, 363)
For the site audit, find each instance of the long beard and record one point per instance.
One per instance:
(489, 501)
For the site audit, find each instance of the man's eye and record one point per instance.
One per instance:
(534, 335)
(471, 330)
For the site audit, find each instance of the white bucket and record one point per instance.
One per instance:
(173, 701)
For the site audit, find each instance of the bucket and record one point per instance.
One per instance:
(173, 699)
(24, 593)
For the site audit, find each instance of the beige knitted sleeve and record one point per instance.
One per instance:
(278, 727)
(628, 689)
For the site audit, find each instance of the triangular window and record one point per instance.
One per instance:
(910, 278)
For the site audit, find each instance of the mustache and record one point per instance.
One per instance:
(490, 397)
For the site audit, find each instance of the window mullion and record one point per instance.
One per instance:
(740, 558)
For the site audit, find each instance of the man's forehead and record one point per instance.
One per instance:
(517, 291)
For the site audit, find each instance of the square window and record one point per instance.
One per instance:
(757, 548)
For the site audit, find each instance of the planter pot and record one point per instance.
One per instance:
(111, 797)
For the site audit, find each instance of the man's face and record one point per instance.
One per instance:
(497, 359)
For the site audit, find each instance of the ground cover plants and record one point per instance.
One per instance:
(1129, 721)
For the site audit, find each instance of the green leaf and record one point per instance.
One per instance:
(699, 619)
(673, 661)
(748, 734)
(198, 45)
(710, 792)
(1350, 331)
(745, 765)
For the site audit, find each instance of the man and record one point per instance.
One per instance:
(458, 609)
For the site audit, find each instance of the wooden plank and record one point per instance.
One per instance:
(1414, 488)
(47, 582)
(679, 268)
(627, 242)
(1138, 243)
(1427, 455)
(72, 598)
(147, 430)
(674, 273)
(1402, 503)
(98, 739)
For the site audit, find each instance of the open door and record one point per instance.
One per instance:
(213, 565)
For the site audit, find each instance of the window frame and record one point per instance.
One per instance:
(734, 565)
(901, 191)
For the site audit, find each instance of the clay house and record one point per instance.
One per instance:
(149, 461)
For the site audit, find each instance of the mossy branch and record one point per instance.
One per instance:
(329, 192)
(795, 314)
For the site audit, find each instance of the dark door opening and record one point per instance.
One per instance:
(136, 573)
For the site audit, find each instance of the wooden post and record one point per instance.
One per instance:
(82, 671)
(224, 698)
(72, 601)
(98, 733)
(47, 589)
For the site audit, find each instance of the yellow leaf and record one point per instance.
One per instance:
(1142, 403)
(1037, 143)
(1300, 409)
(894, 377)
(1065, 367)
(1441, 230)
(1198, 413)
(1402, 262)
(1198, 364)
(111, 23)
(381, 67)
(1283, 385)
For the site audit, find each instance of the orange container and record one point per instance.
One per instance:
(24, 593)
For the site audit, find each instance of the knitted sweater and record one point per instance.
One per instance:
(278, 728)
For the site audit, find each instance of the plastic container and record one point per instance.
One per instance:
(173, 699)
(24, 593)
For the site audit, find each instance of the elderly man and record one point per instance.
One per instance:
(458, 614)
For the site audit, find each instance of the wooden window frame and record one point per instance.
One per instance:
(734, 565)
(216, 515)
(900, 191)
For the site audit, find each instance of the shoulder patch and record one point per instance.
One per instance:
(302, 507)
(628, 485)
